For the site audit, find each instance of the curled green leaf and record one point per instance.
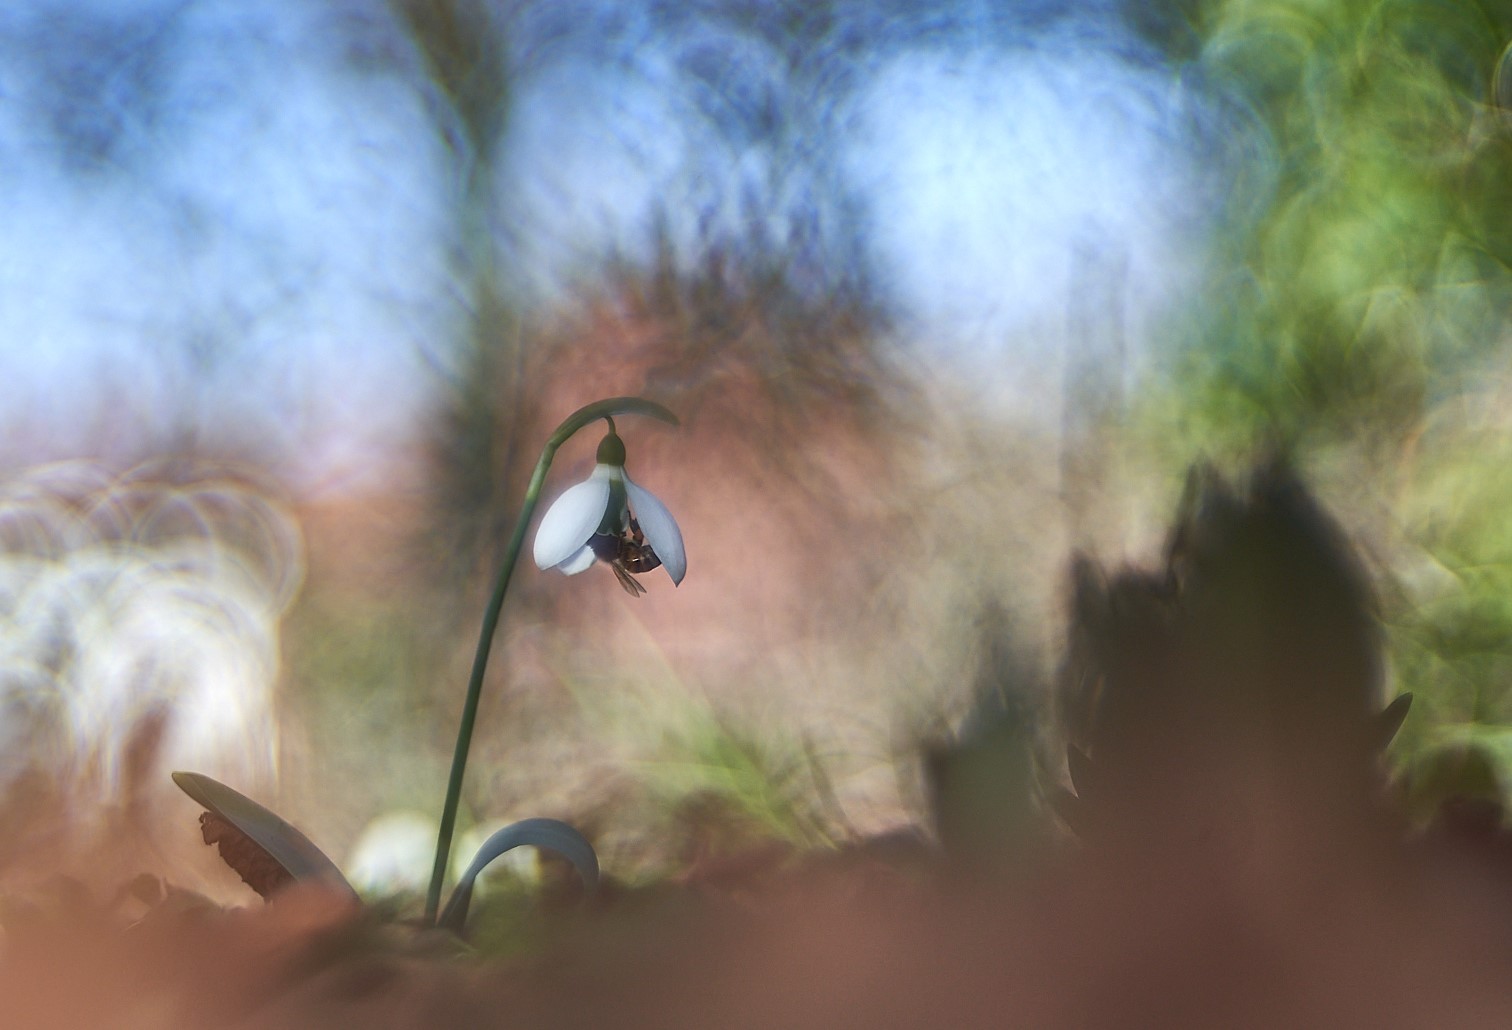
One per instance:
(551, 834)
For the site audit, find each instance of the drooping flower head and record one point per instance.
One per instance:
(609, 518)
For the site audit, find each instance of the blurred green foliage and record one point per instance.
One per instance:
(1376, 281)
(1370, 325)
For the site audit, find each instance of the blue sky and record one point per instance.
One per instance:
(238, 223)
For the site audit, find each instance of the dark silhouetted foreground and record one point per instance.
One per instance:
(1239, 858)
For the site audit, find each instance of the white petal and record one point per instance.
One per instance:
(578, 562)
(570, 521)
(660, 529)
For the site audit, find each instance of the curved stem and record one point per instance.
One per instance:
(577, 420)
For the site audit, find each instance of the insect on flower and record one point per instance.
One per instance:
(626, 554)
(611, 519)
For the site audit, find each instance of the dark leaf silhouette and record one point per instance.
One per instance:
(258, 869)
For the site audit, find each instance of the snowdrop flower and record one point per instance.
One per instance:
(610, 519)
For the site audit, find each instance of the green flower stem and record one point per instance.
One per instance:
(577, 420)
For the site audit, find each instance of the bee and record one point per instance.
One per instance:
(626, 554)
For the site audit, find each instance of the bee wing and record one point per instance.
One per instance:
(627, 581)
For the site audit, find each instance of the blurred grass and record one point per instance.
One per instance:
(719, 779)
